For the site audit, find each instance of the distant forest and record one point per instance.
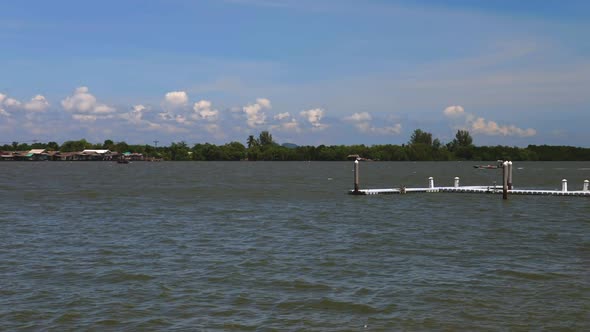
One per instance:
(420, 147)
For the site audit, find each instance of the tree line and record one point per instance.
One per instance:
(421, 147)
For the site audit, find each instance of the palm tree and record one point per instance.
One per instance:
(252, 142)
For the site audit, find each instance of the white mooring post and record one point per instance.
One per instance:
(510, 175)
(456, 182)
(431, 182)
(505, 180)
(356, 176)
(564, 185)
(585, 187)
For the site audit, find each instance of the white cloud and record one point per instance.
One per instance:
(101, 108)
(482, 126)
(82, 101)
(176, 98)
(314, 116)
(281, 116)
(37, 104)
(3, 112)
(181, 119)
(359, 117)
(479, 125)
(453, 111)
(166, 116)
(265, 103)
(288, 126)
(11, 102)
(204, 111)
(254, 114)
(136, 114)
(362, 121)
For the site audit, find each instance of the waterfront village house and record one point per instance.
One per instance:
(133, 156)
(34, 155)
(89, 154)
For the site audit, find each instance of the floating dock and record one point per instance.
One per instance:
(469, 189)
(505, 189)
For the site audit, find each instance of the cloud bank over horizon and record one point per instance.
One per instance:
(512, 78)
(176, 116)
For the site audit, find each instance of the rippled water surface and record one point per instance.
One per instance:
(280, 246)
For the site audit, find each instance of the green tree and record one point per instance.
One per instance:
(109, 145)
(463, 138)
(53, 146)
(120, 147)
(265, 139)
(179, 151)
(252, 142)
(421, 137)
(73, 146)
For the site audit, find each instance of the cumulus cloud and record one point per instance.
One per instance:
(203, 110)
(479, 125)
(3, 112)
(359, 117)
(254, 112)
(454, 111)
(8, 103)
(11, 102)
(181, 119)
(37, 104)
(482, 126)
(176, 98)
(314, 116)
(83, 102)
(287, 126)
(362, 121)
(135, 115)
(281, 116)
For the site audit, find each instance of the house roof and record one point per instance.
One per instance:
(96, 151)
(37, 151)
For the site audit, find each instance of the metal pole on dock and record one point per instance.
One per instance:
(456, 182)
(356, 176)
(585, 187)
(564, 185)
(510, 175)
(505, 180)
(431, 182)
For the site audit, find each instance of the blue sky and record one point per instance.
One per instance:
(310, 72)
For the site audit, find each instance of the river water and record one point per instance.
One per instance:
(221, 246)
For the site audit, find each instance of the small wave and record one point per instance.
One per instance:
(68, 317)
(328, 304)
(122, 276)
(108, 322)
(527, 275)
(300, 284)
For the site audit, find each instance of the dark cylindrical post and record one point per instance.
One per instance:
(356, 176)
(505, 180)
(509, 175)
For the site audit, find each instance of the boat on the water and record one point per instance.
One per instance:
(486, 166)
